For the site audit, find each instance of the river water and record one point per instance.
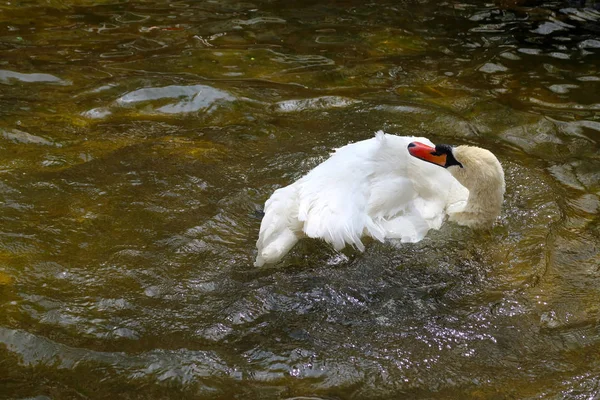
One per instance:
(139, 140)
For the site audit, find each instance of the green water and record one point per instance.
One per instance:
(139, 138)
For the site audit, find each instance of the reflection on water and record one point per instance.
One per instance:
(139, 140)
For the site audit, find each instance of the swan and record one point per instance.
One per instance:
(386, 187)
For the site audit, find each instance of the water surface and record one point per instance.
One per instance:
(138, 139)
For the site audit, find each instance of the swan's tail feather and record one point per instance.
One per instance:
(276, 249)
(279, 226)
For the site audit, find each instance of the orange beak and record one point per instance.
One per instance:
(426, 153)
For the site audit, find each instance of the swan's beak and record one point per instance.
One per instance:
(427, 153)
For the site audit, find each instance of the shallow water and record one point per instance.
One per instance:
(138, 140)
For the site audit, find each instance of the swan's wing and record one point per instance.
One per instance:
(428, 209)
(333, 197)
(414, 219)
(332, 207)
(410, 228)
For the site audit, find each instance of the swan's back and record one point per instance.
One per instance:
(369, 188)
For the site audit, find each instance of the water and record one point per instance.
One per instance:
(138, 140)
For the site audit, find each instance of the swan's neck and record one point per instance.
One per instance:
(485, 201)
(484, 204)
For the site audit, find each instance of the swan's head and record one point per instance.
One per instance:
(475, 168)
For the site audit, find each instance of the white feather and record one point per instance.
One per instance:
(370, 188)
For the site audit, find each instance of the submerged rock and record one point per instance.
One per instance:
(190, 98)
(7, 76)
(18, 136)
(97, 113)
(491, 68)
(316, 103)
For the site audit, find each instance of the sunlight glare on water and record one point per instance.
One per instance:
(140, 139)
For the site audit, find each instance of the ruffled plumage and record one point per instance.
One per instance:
(369, 188)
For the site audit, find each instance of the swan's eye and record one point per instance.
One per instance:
(446, 149)
(443, 149)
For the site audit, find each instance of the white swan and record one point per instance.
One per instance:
(381, 188)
